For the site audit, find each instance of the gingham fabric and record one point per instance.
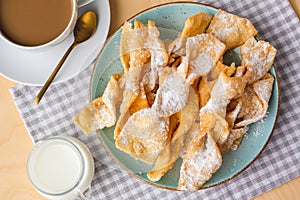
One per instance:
(279, 162)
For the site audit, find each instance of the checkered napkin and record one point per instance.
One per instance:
(278, 163)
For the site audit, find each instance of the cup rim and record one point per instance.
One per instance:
(52, 42)
(81, 173)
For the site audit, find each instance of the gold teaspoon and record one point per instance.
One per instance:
(85, 27)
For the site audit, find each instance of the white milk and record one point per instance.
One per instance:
(60, 168)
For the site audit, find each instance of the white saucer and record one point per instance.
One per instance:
(34, 67)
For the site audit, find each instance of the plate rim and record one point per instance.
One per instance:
(98, 132)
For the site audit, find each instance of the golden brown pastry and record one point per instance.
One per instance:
(190, 135)
(170, 153)
(255, 101)
(233, 139)
(130, 94)
(185, 101)
(171, 96)
(101, 112)
(158, 51)
(159, 57)
(232, 30)
(132, 45)
(201, 161)
(213, 114)
(193, 26)
(143, 45)
(207, 82)
(202, 53)
(235, 134)
(144, 135)
(258, 57)
(250, 107)
(140, 103)
(124, 46)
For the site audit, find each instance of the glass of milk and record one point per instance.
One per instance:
(61, 168)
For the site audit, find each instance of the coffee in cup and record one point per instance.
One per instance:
(35, 23)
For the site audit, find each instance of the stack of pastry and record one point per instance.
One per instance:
(180, 100)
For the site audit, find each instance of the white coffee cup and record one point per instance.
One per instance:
(61, 37)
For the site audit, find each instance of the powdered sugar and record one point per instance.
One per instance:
(228, 26)
(146, 124)
(190, 135)
(172, 96)
(218, 101)
(202, 53)
(198, 167)
(258, 56)
(201, 64)
(231, 29)
(259, 126)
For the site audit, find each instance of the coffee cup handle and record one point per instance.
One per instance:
(81, 3)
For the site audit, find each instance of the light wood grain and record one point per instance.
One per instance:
(15, 143)
(15, 146)
(296, 5)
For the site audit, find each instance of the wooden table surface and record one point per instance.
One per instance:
(15, 143)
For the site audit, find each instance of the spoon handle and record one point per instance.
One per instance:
(52, 76)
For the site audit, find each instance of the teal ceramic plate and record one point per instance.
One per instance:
(172, 16)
